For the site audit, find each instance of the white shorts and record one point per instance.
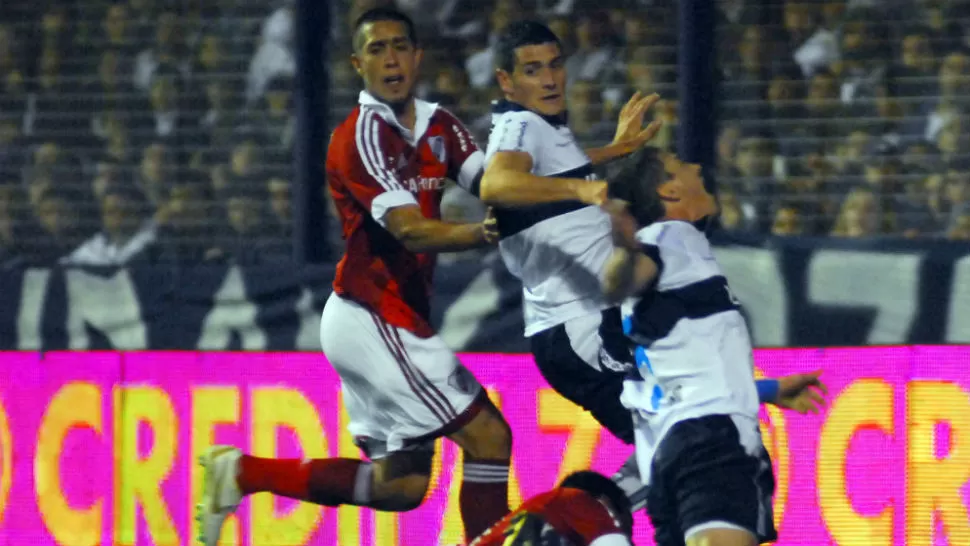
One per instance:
(401, 391)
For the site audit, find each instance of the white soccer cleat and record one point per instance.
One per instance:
(220, 492)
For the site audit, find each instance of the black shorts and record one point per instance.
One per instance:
(596, 391)
(703, 474)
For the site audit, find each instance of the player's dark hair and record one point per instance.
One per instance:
(377, 15)
(599, 486)
(636, 179)
(521, 34)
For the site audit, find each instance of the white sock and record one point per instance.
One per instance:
(628, 478)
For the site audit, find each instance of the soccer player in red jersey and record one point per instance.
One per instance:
(587, 509)
(402, 387)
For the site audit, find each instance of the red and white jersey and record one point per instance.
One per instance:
(573, 514)
(375, 164)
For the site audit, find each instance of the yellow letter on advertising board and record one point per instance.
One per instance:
(348, 517)
(211, 406)
(933, 485)
(76, 405)
(6, 460)
(865, 403)
(138, 479)
(385, 528)
(556, 414)
(275, 408)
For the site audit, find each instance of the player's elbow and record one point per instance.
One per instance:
(501, 182)
(411, 238)
(408, 226)
(493, 189)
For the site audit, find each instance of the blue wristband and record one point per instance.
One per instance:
(767, 390)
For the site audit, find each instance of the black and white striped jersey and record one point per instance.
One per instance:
(693, 349)
(557, 250)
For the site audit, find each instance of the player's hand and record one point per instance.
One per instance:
(624, 225)
(630, 133)
(591, 193)
(490, 227)
(802, 392)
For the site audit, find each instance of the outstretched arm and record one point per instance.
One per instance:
(627, 273)
(802, 392)
(517, 143)
(508, 182)
(629, 270)
(630, 133)
(419, 234)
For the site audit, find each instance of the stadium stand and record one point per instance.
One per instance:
(846, 119)
(152, 131)
(838, 118)
(145, 131)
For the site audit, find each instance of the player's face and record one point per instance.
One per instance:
(539, 79)
(387, 61)
(686, 187)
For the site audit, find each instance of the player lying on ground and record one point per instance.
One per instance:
(693, 396)
(401, 385)
(587, 509)
(557, 242)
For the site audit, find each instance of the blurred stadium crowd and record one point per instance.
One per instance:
(837, 118)
(161, 130)
(145, 130)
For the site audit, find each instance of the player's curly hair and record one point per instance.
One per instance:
(599, 486)
(636, 179)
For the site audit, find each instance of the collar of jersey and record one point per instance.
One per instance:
(423, 112)
(503, 105)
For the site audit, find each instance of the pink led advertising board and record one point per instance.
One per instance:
(97, 448)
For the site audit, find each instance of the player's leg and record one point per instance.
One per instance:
(486, 443)
(474, 423)
(719, 476)
(584, 361)
(722, 537)
(629, 479)
(661, 501)
(573, 360)
(397, 479)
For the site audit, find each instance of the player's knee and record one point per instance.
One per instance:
(401, 494)
(722, 537)
(401, 480)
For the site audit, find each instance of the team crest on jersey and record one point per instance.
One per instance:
(437, 145)
(462, 380)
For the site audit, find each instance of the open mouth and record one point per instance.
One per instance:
(551, 98)
(394, 82)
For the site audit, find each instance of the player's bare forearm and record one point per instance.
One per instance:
(419, 234)
(802, 392)
(509, 189)
(509, 183)
(450, 237)
(436, 236)
(618, 282)
(628, 272)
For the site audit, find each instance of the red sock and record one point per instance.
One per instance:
(330, 482)
(484, 497)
